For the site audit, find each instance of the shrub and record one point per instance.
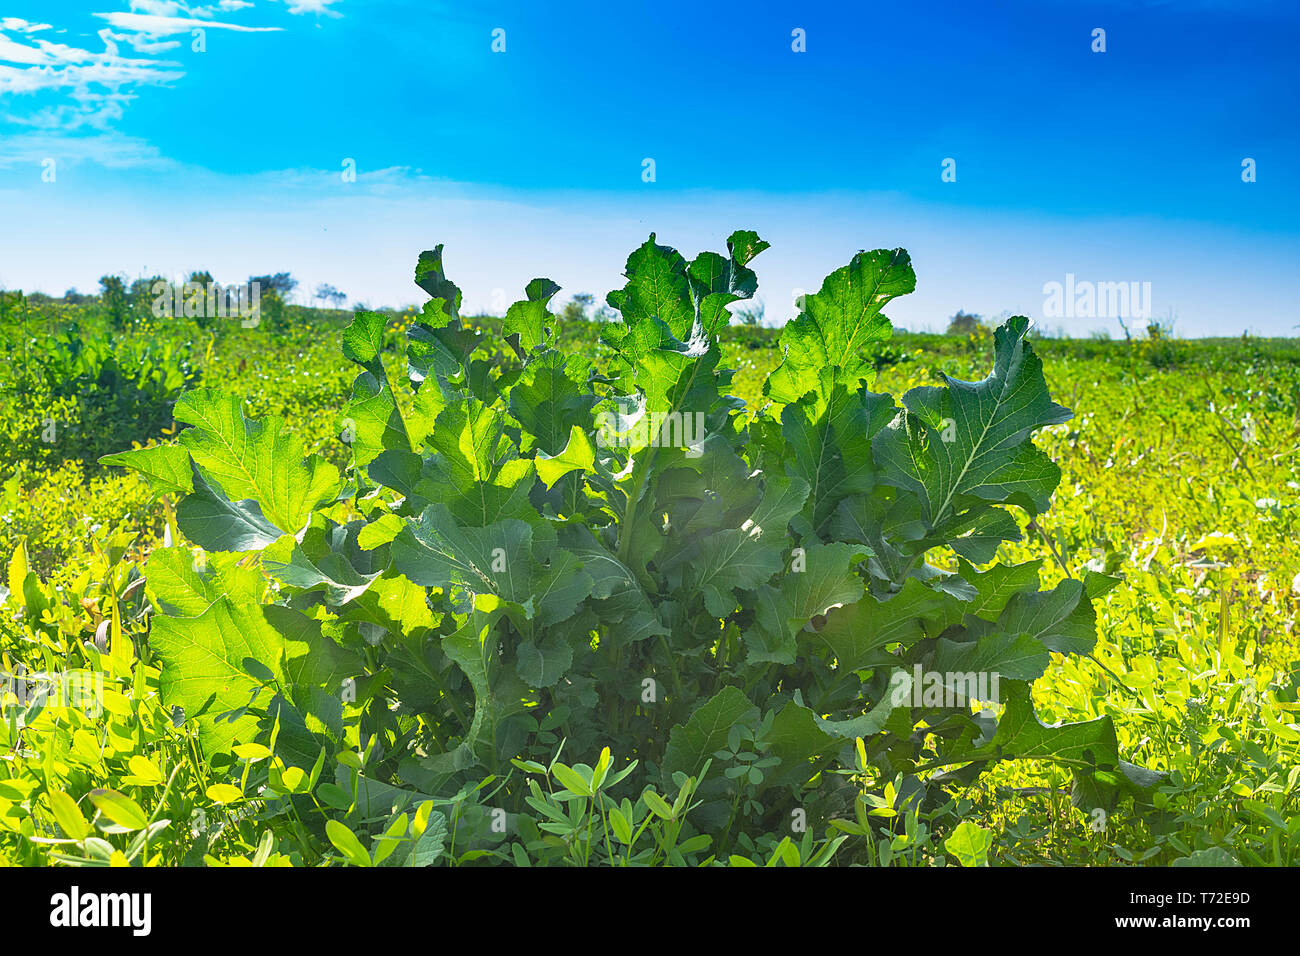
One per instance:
(769, 614)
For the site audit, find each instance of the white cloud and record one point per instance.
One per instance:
(158, 8)
(318, 7)
(159, 25)
(97, 83)
(18, 25)
(89, 89)
(11, 52)
(110, 150)
(143, 42)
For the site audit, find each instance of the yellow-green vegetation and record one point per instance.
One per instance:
(1179, 478)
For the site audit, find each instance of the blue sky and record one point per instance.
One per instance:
(1115, 166)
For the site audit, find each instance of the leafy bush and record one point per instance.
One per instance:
(966, 323)
(776, 616)
(78, 398)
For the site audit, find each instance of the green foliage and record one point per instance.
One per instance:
(77, 398)
(1176, 478)
(965, 323)
(628, 559)
(116, 302)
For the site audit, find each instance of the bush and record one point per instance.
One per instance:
(964, 323)
(546, 560)
(78, 399)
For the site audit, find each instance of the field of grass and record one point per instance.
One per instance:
(1181, 466)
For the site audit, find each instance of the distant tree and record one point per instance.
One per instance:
(576, 308)
(73, 297)
(198, 297)
(965, 323)
(752, 315)
(10, 305)
(274, 290)
(282, 283)
(113, 297)
(327, 293)
(141, 291)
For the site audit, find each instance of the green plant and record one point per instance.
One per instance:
(966, 323)
(77, 397)
(625, 557)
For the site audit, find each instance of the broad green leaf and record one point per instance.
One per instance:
(471, 649)
(797, 740)
(204, 670)
(616, 595)
(257, 460)
(690, 744)
(363, 339)
(224, 793)
(371, 422)
(836, 322)
(19, 568)
(145, 770)
(476, 469)
(214, 522)
(744, 557)
(998, 585)
(657, 289)
(315, 667)
(323, 560)
(1063, 618)
(393, 602)
(525, 325)
(969, 843)
(859, 633)
(185, 588)
(818, 578)
(1085, 745)
(828, 440)
(167, 467)
(497, 560)
(541, 663)
(551, 399)
(1007, 654)
(431, 845)
(578, 455)
(969, 443)
(430, 276)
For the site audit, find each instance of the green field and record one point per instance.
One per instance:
(1177, 504)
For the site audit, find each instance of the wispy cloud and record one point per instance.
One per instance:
(17, 25)
(108, 149)
(98, 83)
(158, 25)
(318, 7)
(59, 88)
